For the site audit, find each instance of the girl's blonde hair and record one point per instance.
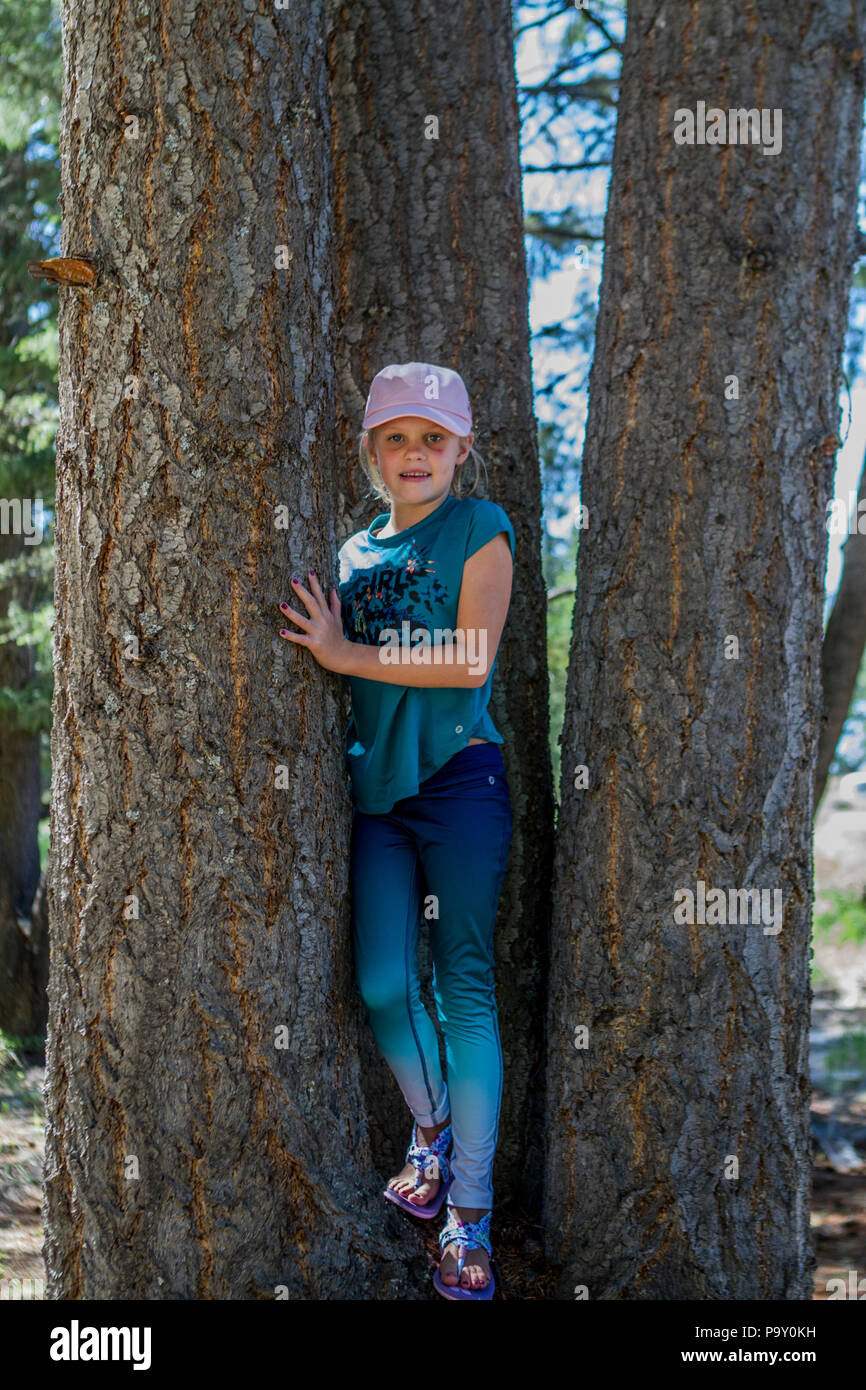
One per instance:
(457, 489)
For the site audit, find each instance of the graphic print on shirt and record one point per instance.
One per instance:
(386, 595)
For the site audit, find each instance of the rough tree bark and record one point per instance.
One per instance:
(844, 640)
(430, 266)
(694, 687)
(200, 808)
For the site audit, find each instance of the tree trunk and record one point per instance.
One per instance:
(678, 1159)
(23, 1002)
(206, 1132)
(430, 267)
(844, 640)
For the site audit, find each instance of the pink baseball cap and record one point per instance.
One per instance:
(418, 388)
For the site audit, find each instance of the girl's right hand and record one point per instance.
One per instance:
(323, 629)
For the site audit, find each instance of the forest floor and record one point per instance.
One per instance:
(838, 1197)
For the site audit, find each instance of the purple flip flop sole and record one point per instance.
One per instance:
(456, 1293)
(426, 1212)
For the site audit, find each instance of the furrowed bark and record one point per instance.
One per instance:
(206, 1133)
(678, 1160)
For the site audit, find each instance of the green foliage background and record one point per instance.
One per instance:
(30, 88)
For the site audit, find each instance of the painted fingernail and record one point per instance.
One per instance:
(283, 632)
(310, 574)
(295, 581)
(284, 607)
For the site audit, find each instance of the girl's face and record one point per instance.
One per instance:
(416, 457)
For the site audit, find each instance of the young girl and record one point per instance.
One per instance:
(423, 597)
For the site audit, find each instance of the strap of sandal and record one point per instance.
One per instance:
(468, 1235)
(429, 1160)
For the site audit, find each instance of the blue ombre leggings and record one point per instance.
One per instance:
(451, 839)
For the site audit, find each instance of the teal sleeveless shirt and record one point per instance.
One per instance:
(398, 735)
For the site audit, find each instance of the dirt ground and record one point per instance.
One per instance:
(21, 1151)
(838, 1199)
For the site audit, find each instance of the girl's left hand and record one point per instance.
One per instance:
(323, 629)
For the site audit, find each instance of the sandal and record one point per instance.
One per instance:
(469, 1235)
(429, 1162)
